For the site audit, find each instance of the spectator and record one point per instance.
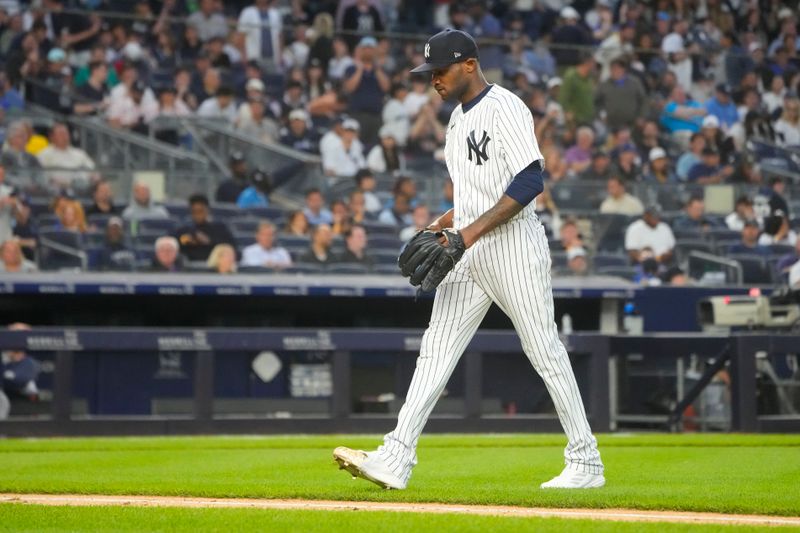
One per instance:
(70, 214)
(547, 212)
(355, 241)
(709, 170)
(207, 21)
(600, 168)
(386, 155)
(297, 224)
(15, 156)
(315, 211)
(10, 98)
(257, 194)
(579, 156)
(777, 230)
(626, 167)
(776, 195)
(133, 108)
(786, 262)
(622, 97)
(690, 157)
(717, 140)
(619, 201)
(63, 161)
(341, 61)
(399, 214)
(675, 277)
(343, 155)
(787, 128)
(262, 25)
(722, 107)
(341, 217)
(259, 126)
(420, 218)
(19, 374)
(396, 116)
(222, 259)
(170, 105)
(199, 237)
(229, 190)
(447, 196)
(570, 36)
(650, 232)
(319, 251)
(682, 116)
(743, 211)
(102, 200)
(10, 207)
(360, 19)
(694, 217)
(659, 167)
(13, 260)
(749, 243)
(298, 135)
(167, 257)
(264, 253)
(365, 182)
(223, 105)
(648, 269)
(356, 206)
(142, 205)
(92, 95)
(577, 262)
(116, 253)
(486, 26)
(366, 83)
(577, 92)
(569, 235)
(427, 133)
(794, 276)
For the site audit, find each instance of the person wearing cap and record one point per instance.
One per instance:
(618, 45)
(116, 253)
(493, 157)
(386, 155)
(297, 134)
(626, 166)
(718, 139)
(577, 91)
(659, 167)
(360, 18)
(366, 84)
(577, 262)
(229, 190)
(345, 158)
(257, 194)
(722, 107)
(650, 232)
(600, 167)
(619, 201)
(621, 96)
(568, 37)
(133, 107)
(708, 171)
(262, 25)
(749, 244)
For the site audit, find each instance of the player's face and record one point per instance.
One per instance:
(449, 81)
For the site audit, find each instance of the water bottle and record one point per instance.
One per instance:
(632, 323)
(566, 325)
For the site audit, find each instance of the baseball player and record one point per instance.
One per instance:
(490, 247)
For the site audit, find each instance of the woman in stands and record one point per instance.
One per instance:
(222, 259)
(297, 224)
(70, 214)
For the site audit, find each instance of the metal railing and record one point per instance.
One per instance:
(701, 259)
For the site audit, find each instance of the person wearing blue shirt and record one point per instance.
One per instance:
(681, 113)
(749, 244)
(708, 170)
(721, 106)
(691, 157)
(256, 195)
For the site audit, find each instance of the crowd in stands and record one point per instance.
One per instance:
(669, 94)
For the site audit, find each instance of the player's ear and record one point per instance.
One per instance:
(470, 65)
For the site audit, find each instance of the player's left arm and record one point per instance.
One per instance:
(516, 144)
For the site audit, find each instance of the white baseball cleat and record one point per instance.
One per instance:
(367, 465)
(572, 479)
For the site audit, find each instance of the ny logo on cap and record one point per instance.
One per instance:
(427, 50)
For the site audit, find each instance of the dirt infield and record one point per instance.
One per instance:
(626, 515)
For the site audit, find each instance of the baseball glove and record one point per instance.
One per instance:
(426, 261)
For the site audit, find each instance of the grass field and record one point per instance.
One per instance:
(753, 474)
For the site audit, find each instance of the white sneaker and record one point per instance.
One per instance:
(367, 465)
(572, 479)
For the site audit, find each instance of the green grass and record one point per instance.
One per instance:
(722, 473)
(15, 517)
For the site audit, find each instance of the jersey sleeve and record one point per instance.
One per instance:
(516, 140)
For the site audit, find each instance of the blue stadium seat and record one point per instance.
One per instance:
(684, 247)
(47, 220)
(754, 268)
(244, 225)
(375, 229)
(270, 213)
(225, 212)
(628, 273)
(256, 270)
(304, 268)
(385, 242)
(293, 241)
(387, 269)
(51, 258)
(610, 260)
(780, 249)
(347, 268)
(177, 211)
(99, 220)
(243, 240)
(160, 226)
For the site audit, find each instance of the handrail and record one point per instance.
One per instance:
(730, 263)
(68, 250)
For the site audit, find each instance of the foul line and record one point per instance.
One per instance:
(626, 515)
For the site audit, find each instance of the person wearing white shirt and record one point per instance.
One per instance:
(650, 232)
(777, 230)
(264, 253)
(396, 117)
(794, 276)
(619, 201)
(65, 160)
(787, 128)
(341, 60)
(135, 106)
(262, 25)
(743, 211)
(345, 159)
(417, 98)
(222, 105)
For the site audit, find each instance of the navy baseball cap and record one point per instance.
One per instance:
(447, 47)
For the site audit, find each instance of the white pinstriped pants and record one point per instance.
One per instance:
(510, 267)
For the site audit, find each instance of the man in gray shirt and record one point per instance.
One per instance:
(142, 206)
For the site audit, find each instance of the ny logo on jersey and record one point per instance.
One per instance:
(478, 147)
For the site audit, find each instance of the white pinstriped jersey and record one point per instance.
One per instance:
(485, 148)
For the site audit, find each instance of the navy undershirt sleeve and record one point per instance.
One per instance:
(528, 184)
